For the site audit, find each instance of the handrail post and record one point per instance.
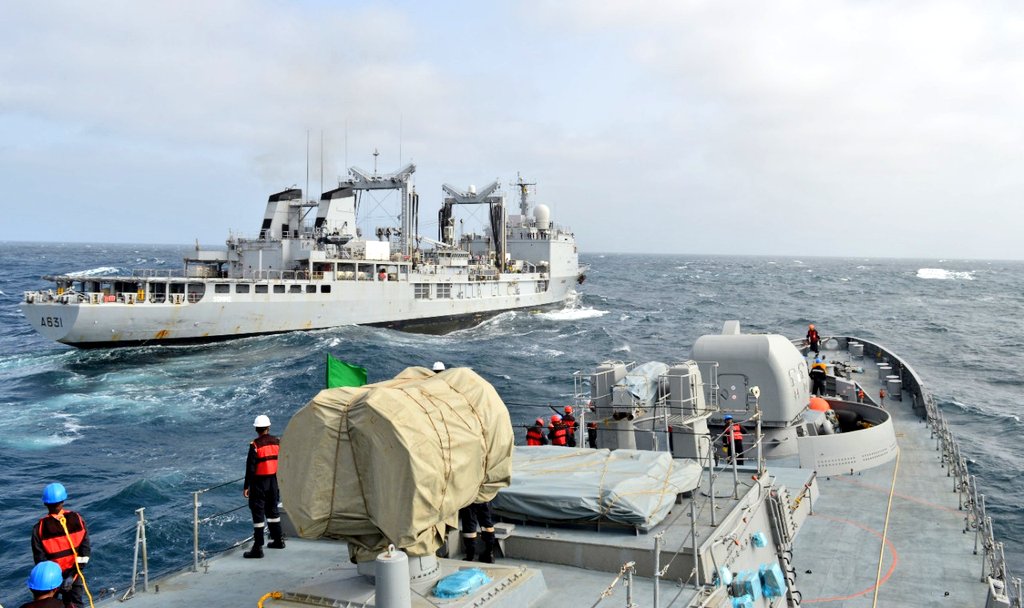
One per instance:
(735, 468)
(145, 552)
(657, 569)
(195, 531)
(693, 536)
(629, 585)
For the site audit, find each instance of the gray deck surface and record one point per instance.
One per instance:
(926, 555)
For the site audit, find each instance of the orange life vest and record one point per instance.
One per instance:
(812, 336)
(534, 436)
(55, 542)
(267, 449)
(737, 432)
(558, 435)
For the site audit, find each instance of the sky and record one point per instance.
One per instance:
(828, 128)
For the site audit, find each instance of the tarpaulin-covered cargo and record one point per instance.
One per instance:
(632, 487)
(393, 462)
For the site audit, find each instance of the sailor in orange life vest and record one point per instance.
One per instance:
(813, 340)
(61, 537)
(734, 429)
(261, 488)
(535, 434)
(570, 427)
(557, 433)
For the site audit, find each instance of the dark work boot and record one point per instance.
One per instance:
(487, 554)
(276, 537)
(257, 545)
(469, 544)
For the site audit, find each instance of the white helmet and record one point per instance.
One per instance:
(262, 421)
(438, 366)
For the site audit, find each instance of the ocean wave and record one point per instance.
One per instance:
(102, 270)
(943, 274)
(572, 314)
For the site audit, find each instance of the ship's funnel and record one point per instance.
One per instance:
(393, 462)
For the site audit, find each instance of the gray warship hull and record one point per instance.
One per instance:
(883, 513)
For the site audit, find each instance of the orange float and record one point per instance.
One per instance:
(819, 405)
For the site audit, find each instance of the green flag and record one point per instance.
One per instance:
(340, 373)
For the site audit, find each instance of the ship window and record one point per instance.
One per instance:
(325, 289)
(295, 289)
(261, 289)
(242, 288)
(542, 286)
(221, 288)
(310, 288)
(421, 291)
(195, 292)
(444, 290)
(278, 288)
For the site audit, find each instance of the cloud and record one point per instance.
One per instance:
(711, 126)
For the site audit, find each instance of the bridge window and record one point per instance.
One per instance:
(421, 291)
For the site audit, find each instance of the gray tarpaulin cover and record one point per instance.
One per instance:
(393, 462)
(633, 487)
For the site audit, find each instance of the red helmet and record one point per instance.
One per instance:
(568, 409)
(539, 421)
(556, 418)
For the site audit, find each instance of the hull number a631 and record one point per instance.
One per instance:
(51, 322)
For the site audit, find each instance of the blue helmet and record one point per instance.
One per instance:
(45, 576)
(727, 417)
(54, 493)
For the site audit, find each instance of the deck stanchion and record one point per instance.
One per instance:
(657, 568)
(195, 532)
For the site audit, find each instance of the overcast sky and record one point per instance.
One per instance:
(867, 128)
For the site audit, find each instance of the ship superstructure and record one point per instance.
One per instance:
(309, 267)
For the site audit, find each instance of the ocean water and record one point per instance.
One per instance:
(145, 427)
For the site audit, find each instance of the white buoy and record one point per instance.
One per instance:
(392, 579)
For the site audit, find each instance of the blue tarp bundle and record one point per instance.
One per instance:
(772, 581)
(461, 583)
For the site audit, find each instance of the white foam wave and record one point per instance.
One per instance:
(94, 272)
(944, 275)
(623, 349)
(572, 314)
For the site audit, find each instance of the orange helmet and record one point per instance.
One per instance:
(539, 421)
(811, 326)
(556, 418)
(568, 409)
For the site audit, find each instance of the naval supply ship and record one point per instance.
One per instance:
(311, 268)
(857, 498)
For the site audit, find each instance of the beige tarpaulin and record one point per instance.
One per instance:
(393, 462)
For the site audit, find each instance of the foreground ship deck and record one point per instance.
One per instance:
(922, 503)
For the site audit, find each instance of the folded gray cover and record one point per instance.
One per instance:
(558, 484)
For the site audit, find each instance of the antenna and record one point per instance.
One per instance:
(375, 155)
(399, 140)
(321, 161)
(307, 164)
(346, 144)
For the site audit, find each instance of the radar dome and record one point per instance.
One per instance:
(542, 214)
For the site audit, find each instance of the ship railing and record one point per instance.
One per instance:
(964, 484)
(199, 556)
(157, 273)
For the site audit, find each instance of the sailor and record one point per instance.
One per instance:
(475, 518)
(382, 275)
(570, 427)
(735, 431)
(438, 367)
(535, 433)
(44, 582)
(261, 487)
(557, 433)
(61, 537)
(818, 373)
(592, 434)
(813, 340)
(860, 395)
(881, 397)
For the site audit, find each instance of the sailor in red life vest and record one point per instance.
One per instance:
(535, 433)
(813, 340)
(736, 431)
(261, 488)
(570, 427)
(61, 537)
(557, 432)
